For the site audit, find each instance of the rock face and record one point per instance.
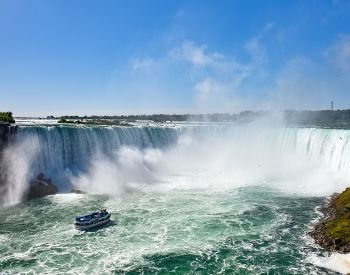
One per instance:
(4, 128)
(77, 191)
(333, 231)
(40, 187)
(7, 136)
(7, 131)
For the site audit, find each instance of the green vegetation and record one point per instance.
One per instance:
(94, 122)
(338, 227)
(343, 200)
(323, 118)
(63, 120)
(6, 117)
(172, 117)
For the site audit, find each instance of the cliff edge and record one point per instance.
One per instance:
(333, 231)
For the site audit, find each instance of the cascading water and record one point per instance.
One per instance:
(216, 198)
(69, 149)
(329, 145)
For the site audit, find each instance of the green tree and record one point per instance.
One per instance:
(6, 117)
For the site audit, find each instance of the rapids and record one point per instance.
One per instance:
(185, 198)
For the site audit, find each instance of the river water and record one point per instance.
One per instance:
(184, 200)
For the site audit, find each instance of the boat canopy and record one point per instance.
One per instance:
(91, 216)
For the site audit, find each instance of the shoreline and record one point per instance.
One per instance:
(332, 231)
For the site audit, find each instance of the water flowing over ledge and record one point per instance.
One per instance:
(71, 147)
(63, 152)
(215, 164)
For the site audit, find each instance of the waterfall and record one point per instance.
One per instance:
(331, 146)
(63, 152)
(71, 147)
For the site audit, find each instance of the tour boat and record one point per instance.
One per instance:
(93, 220)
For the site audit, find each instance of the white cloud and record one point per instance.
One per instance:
(209, 63)
(193, 53)
(299, 84)
(207, 88)
(222, 83)
(141, 64)
(254, 46)
(339, 53)
(217, 77)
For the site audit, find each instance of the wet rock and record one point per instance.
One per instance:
(40, 187)
(77, 191)
(7, 133)
(7, 137)
(333, 231)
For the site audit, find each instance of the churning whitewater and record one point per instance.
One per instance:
(186, 198)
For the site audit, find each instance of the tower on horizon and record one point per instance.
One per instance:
(332, 105)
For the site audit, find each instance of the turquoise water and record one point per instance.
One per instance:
(248, 230)
(184, 199)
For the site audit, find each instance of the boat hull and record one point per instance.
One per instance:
(95, 223)
(92, 226)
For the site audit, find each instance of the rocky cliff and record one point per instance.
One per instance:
(7, 133)
(7, 136)
(333, 231)
(40, 187)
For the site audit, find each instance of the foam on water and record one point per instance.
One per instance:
(337, 262)
(222, 198)
(250, 229)
(140, 153)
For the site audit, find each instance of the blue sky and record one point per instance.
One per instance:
(122, 57)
